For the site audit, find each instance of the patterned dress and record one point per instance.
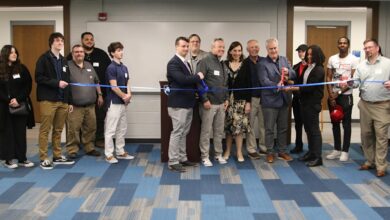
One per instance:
(236, 121)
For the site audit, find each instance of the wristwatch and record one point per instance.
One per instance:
(100, 94)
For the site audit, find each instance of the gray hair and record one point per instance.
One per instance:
(271, 40)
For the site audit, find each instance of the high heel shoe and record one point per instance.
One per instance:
(240, 158)
(226, 156)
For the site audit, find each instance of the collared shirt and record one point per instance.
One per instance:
(194, 60)
(366, 72)
(116, 71)
(185, 62)
(307, 72)
(83, 95)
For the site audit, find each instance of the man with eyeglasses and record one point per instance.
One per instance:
(374, 106)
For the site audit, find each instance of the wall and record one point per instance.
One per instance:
(35, 14)
(144, 111)
(356, 17)
(384, 27)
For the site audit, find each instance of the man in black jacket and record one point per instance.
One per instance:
(180, 104)
(52, 77)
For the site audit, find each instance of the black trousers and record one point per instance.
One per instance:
(346, 102)
(311, 122)
(15, 145)
(100, 117)
(296, 104)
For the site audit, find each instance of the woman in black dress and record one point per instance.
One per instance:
(15, 87)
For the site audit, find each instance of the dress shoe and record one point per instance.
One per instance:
(297, 150)
(380, 173)
(94, 153)
(285, 156)
(254, 155)
(366, 167)
(270, 158)
(307, 157)
(315, 162)
(99, 144)
(177, 168)
(188, 163)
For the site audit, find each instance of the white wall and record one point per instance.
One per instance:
(28, 14)
(357, 34)
(144, 111)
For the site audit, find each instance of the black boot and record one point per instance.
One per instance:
(313, 163)
(298, 149)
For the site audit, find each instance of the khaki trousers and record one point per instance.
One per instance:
(212, 120)
(256, 113)
(374, 125)
(81, 119)
(53, 114)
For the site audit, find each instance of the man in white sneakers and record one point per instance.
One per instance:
(341, 66)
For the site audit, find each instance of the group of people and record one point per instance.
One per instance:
(229, 92)
(231, 101)
(93, 116)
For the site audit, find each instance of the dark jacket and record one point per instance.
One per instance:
(215, 78)
(239, 80)
(269, 75)
(179, 77)
(312, 94)
(296, 69)
(47, 82)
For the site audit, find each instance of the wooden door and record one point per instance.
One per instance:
(31, 41)
(326, 38)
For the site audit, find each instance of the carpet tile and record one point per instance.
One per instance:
(144, 188)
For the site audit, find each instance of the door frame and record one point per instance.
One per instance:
(372, 17)
(46, 3)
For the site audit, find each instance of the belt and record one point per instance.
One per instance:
(378, 102)
(84, 106)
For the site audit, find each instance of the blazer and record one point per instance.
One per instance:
(269, 75)
(310, 95)
(179, 77)
(47, 83)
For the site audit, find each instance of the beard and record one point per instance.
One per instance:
(88, 48)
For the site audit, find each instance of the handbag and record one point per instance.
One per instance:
(22, 109)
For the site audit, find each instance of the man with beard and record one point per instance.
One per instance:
(100, 61)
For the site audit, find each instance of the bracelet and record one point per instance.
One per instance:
(100, 94)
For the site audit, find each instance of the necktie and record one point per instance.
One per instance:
(188, 66)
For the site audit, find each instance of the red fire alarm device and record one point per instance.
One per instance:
(102, 16)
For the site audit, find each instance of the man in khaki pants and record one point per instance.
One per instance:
(82, 116)
(52, 77)
(374, 106)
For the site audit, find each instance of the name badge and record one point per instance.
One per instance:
(125, 75)
(89, 70)
(16, 76)
(95, 64)
(378, 71)
(90, 77)
(63, 69)
(216, 72)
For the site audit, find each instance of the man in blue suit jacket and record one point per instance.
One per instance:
(180, 104)
(275, 102)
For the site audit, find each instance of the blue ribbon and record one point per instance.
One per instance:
(167, 90)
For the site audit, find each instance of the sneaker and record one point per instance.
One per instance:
(207, 163)
(220, 159)
(26, 163)
(254, 155)
(62, 160)
(285, 156)
(46, 165)
(344, 156)
(111, 160)
(125, 156)
(10, 164)
(333, 155)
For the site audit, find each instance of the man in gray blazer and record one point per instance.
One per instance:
(275, 71)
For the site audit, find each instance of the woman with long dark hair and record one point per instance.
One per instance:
(311, 97)
(236, 120)
(15, 87)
